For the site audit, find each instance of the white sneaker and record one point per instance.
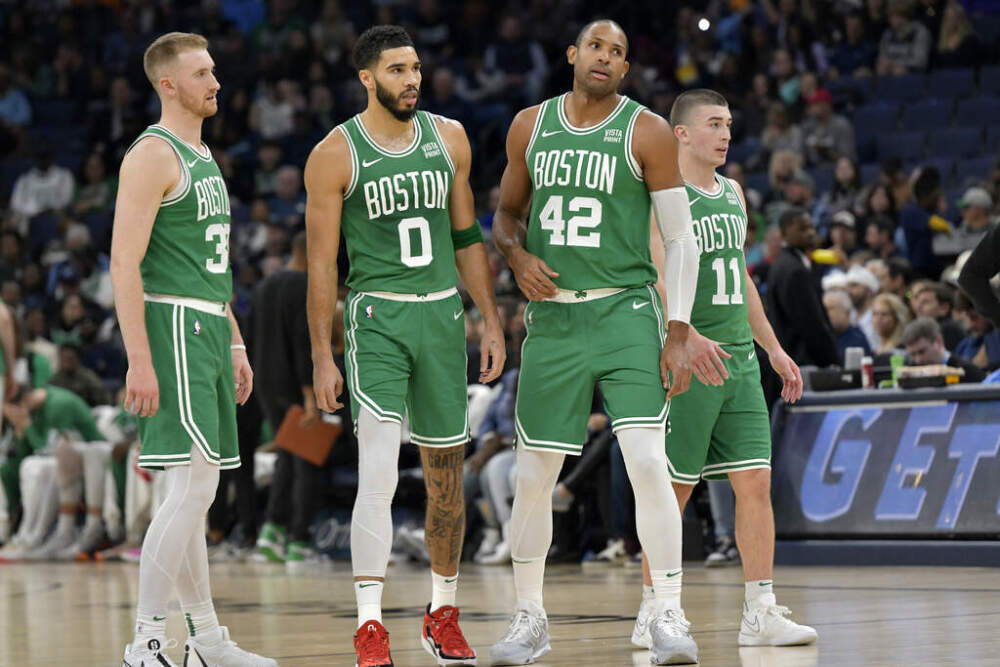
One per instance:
(770, 625)
(224, 653)
(613, 553)
(500, 555)
(640, 633)
(491, 538)
(150, 655)
(90, 538)
(60, 540)
(527, 638)
(670, 642)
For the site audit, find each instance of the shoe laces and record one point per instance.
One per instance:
(446, 630)
(673, 622)
(523, 624)
(372, 641)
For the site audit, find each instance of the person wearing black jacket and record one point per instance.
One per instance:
(794, 302)
(279, 334)
(983, 264)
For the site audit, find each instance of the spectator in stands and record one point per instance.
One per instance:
(854, 56)
(272, 114)
(520, 60)
(982, 344)
(925, 346)
(976, 206)
(846, 190)
(445, 101)
(116, 120)
(838, 309)
(75, 377)
(905, 45)
(937, 302)
(828, 136)
(780, 168)
(268, 161)
(957, 45)
(46, 187)
(15, 110)
(862, 287)
(921, 218)
(880, 237)
(786, 77)
(12, 255)
(288, 205)
(96, 193)
(333, 34)
(843, 235)
(780, 133)
(975, 278)
(758, 104)
(793, 299)
(889, 317)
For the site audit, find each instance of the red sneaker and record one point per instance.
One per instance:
(371, 643)
(443, 639)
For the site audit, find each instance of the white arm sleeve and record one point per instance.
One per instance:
(681, 256)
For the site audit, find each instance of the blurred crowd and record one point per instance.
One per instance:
(862, 137)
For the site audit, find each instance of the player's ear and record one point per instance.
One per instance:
(625, 70)
(571, 52)
(681, 132)
(367, 79)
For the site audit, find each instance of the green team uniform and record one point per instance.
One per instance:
(717, 430)
(62, 411)
(187, 281)
(404, 321)
(590, 223)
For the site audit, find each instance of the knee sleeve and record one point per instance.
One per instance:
(530, 531)
(371, 520)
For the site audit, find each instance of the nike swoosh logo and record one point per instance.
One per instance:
(755, 626)
(750, 356)
(459, 314)
(637, 306)
(448, 581)
(691, 203)
(192, 163)
(159, 618)
(367, 585)
(673, 574)
(546, 133)
(368, 163)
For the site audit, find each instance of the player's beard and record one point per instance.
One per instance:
(197, 104)
(392, 104)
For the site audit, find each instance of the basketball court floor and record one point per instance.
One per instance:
(82, 614)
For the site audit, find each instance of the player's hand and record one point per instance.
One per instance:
(142, 391)
(675, 359)
(242, 376)
(492, 352)
(533, 276)
(310, 413)
(328, 383)
(790, 374)
(706, 359)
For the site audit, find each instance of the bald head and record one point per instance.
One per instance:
(585, 30)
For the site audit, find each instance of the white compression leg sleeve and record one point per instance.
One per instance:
(96, 461)
(530, 532)
(190, 492)
(193, 588)
(371, 520)
(39, 498)
(657, 516)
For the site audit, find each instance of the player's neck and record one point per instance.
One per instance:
(584, 110)
(385, 127)
(697, 172)
(185, 125)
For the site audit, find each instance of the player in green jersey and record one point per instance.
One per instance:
(187, 364)
(717, 432)
(395, 181)
(592, 164)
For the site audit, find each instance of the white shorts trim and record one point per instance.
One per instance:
(579, 296)
(202, 305)
(431, 296)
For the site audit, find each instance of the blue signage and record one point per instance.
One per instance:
(921, 464)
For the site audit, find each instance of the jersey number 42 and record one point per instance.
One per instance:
(571, 232)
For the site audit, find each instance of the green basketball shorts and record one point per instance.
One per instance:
(570, 347)
(189, 340)
(714, 431)
(406, 353)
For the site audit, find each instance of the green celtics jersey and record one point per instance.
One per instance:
(188, 252)
(590, 207)
(720, 226)
(396, 219)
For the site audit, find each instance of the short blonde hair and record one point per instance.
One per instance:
(167, 47)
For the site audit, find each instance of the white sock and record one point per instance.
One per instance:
(202, 623)
(647, 592)
(66, 522)
(528, 578)
(667, 587)
(443, 590)
(149, 625)
(368, 593)
(760, 593)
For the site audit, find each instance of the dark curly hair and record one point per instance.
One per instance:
(374, 41)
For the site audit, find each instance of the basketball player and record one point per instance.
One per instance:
(396, 181)
(720, 431)
(591, 164)
(187, 362)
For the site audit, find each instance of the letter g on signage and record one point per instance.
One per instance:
(826, 500)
